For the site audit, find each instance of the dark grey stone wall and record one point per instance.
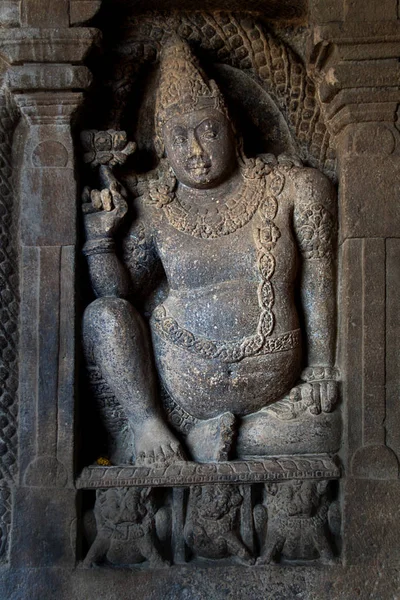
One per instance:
(325, 76)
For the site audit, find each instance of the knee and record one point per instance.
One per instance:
(108, 314)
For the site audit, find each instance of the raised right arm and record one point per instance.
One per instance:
(138, 271)
(103, 213)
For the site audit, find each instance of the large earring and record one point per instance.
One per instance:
(159, 146)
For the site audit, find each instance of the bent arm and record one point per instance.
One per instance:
(107, 275)
(315, 230)
(130, 275)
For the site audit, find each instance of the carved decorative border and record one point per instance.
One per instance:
(274, 468)
(9, 297)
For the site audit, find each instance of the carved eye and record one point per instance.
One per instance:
(208, 129)
(209, 134)
(180, 140)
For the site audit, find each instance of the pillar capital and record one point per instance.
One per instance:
(59, 13)
(357, 71)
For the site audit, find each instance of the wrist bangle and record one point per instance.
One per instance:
(99, 246)
(319, 374)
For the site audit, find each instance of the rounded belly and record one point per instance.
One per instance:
(224, 311)
(206, 388)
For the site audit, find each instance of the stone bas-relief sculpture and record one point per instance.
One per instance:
(222, 244)
(126, 530)
(318, 80)
(211, 530)
(291, 522)
(213, 334)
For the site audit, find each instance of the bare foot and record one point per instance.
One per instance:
(211, 440)
(247, 559)
(264, 560)
(155, 445)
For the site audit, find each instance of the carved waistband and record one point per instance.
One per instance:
(254, 345)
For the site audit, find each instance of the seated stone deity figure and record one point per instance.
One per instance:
(236, 256)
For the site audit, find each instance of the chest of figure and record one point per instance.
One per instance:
(192, 262)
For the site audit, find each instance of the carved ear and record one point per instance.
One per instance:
(322, 487)
(271, 488)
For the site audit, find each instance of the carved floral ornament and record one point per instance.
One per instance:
(106, 147)
(316, 231)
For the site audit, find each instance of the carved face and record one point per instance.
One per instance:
(214, 502)
(200, 147)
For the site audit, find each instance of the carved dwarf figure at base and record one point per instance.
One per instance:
(292, 523)
(212, 524)
(217, 245)
(126, 531)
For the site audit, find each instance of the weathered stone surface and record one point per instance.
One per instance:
(197, 398)
(10, 13)
(81, 11)
(373, 533)
(210, 351)
(234, 582)
(46, 432)
(49, 541)
(48, 77)
(47, 169)
(37, 45)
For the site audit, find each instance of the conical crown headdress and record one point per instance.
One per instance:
(183, 86)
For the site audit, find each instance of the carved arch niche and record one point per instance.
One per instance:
(262, 75)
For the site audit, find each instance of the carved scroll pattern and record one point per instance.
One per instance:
(241, 42)
(9, 311)
(8, 301)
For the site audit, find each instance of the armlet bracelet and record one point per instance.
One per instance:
(99, 246)
(319, 374)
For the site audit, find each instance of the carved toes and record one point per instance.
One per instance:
(163, 455)
(264, 559)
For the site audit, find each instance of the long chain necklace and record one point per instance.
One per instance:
(256, 195)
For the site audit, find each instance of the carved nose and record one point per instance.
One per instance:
(194, 145)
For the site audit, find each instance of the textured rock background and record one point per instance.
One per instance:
(334, 74)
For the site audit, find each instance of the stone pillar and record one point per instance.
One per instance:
(46, 80)
(358, 71)
(48, 235)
